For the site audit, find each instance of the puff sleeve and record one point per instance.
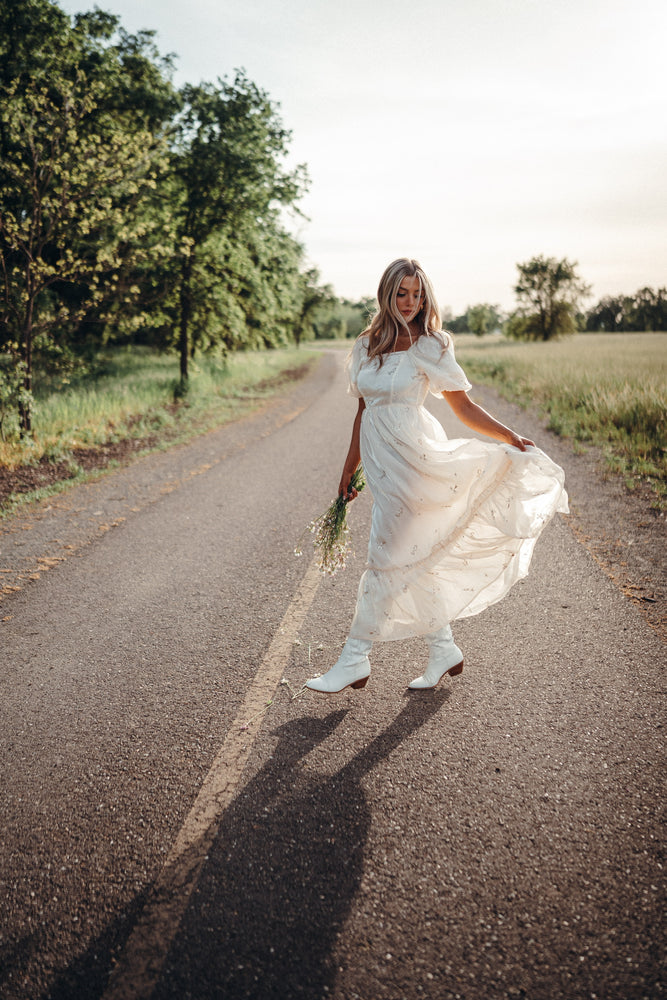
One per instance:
(434, 357)
(355, 359)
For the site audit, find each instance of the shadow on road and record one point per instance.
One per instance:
(279, 880)
(283, 871)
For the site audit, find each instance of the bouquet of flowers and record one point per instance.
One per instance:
(331, 531)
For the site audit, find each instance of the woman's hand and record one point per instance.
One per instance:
(473, 416)
(353, 458)
(344, 488)
(520, 442)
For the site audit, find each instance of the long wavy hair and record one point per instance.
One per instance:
(387, 321)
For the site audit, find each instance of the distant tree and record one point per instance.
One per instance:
(457, 324)
(245, 289)
(446, 316)
(483, 318)
(331, 325)
(315, 307)
(645, 310)
(273, 306)
(649, 310)
(355, 315)
(611, 313)
(549, 292)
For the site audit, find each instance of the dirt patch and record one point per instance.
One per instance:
(29, 478)
(282, 378)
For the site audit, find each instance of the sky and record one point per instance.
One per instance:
(469, 134)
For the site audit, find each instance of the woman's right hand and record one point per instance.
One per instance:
(344, 489)
(353, 458)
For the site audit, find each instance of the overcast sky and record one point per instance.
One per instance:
(471, 134)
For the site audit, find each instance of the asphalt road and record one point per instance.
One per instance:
(176, 825)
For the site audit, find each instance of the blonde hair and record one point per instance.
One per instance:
(387, 321)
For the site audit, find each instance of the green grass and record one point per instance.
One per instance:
(134, 397)
(607, 390)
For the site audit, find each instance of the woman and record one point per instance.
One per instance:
(454, 522)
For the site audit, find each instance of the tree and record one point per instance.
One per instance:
(132, 210)
(483, 319)
(457, 324)
(611, 314)
(317, 311)
(264, 267)
(549, 292)
(138, 96)
(31, 34)
(64, 234)
(645, 310)
(227, 164)
(78, 155)
(649, 310)
(353, 316)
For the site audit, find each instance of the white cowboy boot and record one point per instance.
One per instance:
(352, 669)
(445, 657)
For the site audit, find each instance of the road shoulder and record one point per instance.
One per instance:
(620, 529)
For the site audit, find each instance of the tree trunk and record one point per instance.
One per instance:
(25, 402)
(185, 310)
(544, 325)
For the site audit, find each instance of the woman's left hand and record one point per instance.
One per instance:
(473, 416)
(520, 442)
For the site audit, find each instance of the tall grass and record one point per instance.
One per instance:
(609, 390)
(133, 395)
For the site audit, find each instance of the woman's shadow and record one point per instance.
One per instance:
(283, 871)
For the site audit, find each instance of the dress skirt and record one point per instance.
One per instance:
(454, 522)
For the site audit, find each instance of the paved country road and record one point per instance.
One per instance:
(175, 824)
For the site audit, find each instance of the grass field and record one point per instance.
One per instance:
(134, 397)
(609, 390)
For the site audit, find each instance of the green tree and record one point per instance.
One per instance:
(81, 147)
(137, 97)
(318, 308)
(457, 324)
(66, 227)
(227, 164)
(649, 310)
(549, 292)
(356, 314)
(611, 314)
(483, 318)
(32, 33)
(645, 310)
(269, 283)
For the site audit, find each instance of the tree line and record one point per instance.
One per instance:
(549, 295)
(132, 211)
(549, 304)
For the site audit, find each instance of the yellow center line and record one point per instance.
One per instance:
(140, 965)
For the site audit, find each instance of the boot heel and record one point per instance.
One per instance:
(360, 684)
(458, 669)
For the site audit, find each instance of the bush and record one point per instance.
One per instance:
(13, 395)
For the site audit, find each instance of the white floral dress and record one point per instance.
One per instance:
(454, 522)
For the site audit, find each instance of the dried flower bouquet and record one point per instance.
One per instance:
(332, 532)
